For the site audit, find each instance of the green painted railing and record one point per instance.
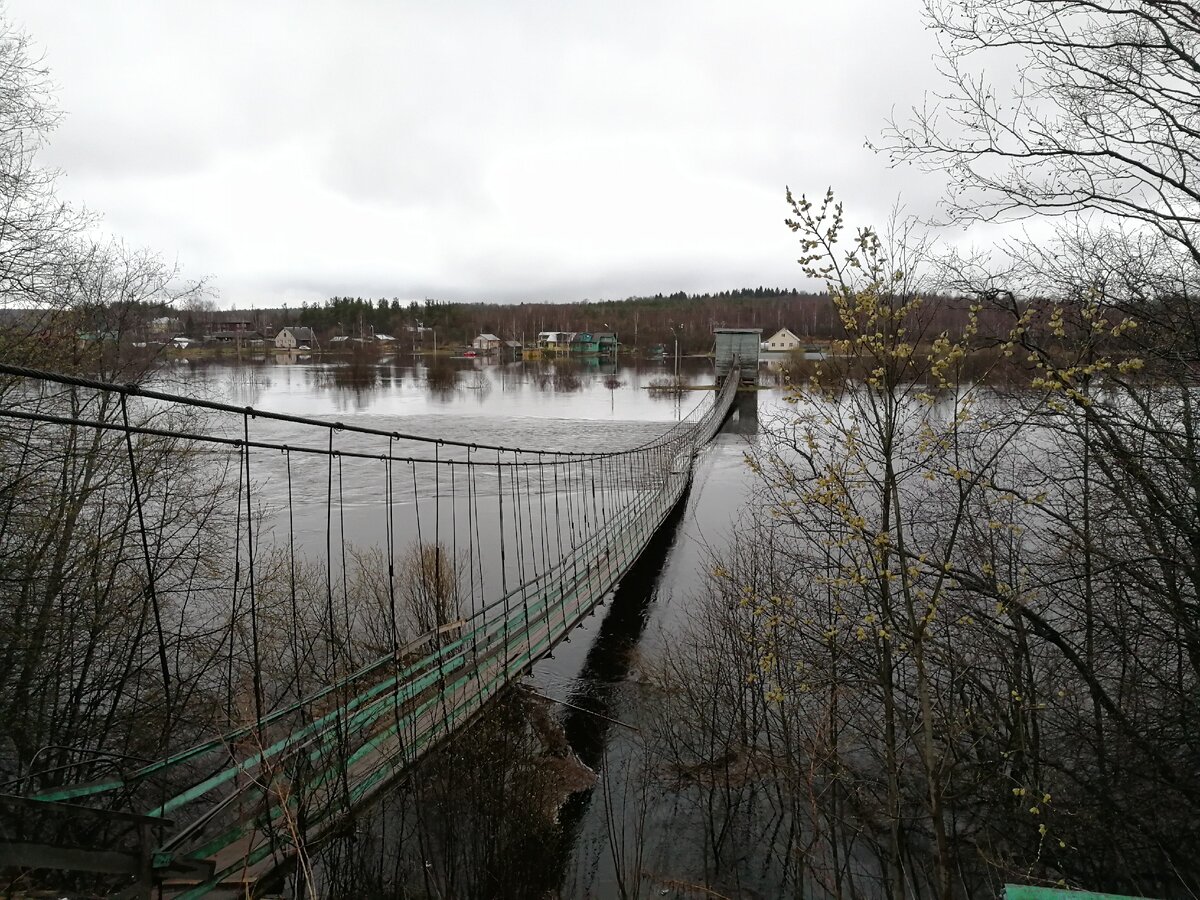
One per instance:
(1031, 892)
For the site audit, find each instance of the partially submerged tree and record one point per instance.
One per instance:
(1101, 129)
(984, 636)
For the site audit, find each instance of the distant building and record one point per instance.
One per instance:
(784, 339)
(737, 348)
(163, 326)
(346, 342)
(606, 343)
(584, 342)
(234, 337)
(294, 336)
(108, 336)
(485, 343)
(234, 325)
(555, 341)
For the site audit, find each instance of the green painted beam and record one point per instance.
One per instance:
(1033, 892)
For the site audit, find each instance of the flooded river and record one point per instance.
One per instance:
(595, 680)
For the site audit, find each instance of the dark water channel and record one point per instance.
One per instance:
(595, 680)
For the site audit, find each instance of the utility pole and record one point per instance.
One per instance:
(675, 334)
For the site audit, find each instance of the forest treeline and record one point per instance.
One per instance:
(638, 321)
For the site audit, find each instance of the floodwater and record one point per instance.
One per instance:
(569, 406)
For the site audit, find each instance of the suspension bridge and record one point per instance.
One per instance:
(329, 681)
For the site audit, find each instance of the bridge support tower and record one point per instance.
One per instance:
(737, 349)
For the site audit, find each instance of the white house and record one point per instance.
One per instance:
(555, 341)
(485, 343)
(294, 336)
(783, 339)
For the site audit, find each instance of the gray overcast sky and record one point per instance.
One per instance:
(476, 150)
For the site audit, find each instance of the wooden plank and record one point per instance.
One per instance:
(19, 855)
(74, 809)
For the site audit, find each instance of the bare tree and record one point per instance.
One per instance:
(35, 227)
(1102, 113)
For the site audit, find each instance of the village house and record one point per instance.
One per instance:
(584, 342)
(784, 339)
(294, 336)
(233, 326)
(555, 341)
(606, 343)
(163, 327)
(486, 343)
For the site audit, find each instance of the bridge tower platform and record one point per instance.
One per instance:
(737, 348)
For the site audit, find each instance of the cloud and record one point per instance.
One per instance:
(476, 150)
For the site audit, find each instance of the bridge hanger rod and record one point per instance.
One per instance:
(590, 547)
(134, 390)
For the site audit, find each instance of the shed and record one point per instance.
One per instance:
(485, 343)
(737, 347)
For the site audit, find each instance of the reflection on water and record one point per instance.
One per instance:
(389, 387)
(475, 820)
(593, 706)
(441, 378)
(744, 419)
